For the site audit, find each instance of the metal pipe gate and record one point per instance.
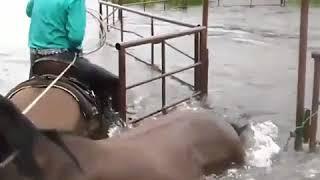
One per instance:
(200, 58)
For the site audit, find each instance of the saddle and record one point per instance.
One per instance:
(46, 69)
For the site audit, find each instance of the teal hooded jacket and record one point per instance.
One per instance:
(56, 23)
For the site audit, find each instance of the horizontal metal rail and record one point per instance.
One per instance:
(146, 2)
(139, 35)
(190, 86)
(126, 31)
(138, 59)
(159, 38)
(181, 52)
(182, 82)
(110, 14)
(248, 5)
(147, 14)
(163, 75)
(165, 108)
(159, 70)
(316, 55)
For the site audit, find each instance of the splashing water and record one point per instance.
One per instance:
(260, 141)
(260, 149)
(262, 146)
(114, 131)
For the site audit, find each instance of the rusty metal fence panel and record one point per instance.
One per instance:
(200, 58)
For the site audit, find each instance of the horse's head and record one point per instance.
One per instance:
(242, 132)
(239, 129)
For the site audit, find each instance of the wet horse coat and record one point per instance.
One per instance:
(179, 146)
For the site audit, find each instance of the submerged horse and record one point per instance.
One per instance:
(179, 146)
(68, 106)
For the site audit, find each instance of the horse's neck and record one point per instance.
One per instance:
(44, 151)
(50, 157)
(87, 150)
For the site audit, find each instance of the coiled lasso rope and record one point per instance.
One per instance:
(103, 35)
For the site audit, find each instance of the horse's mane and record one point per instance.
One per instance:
(20, 134)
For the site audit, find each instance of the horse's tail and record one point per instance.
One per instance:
(239, 129)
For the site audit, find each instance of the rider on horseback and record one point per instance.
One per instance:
(57, 29)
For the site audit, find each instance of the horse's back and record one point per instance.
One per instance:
(187, 120)
(210, 142)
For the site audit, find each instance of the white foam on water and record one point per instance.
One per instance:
(311, 173)
(114, 131)
(263, 146)
(249, 41)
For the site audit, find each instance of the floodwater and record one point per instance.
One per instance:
(252, 73)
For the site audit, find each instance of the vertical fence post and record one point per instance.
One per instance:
(306, 128)
(113, 9)
(152, 45)
(204, 63)
(163, 62)
(107, 11)
(100, 9)
(121, 24)
(122, 79)
(197, 69)
(315, 102)
(203, 49)
(185, 3)
(119, 10)
(301, 71)
(100, 17)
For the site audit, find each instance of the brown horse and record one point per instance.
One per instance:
(179, 146)
(68, 106)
